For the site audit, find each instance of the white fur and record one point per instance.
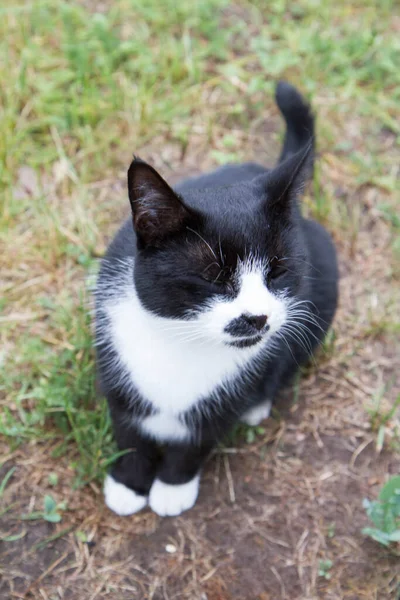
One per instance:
(255, 415)
(253, 299)
(174, 363)
(171, 500)
(121, 499)
(169, 370)
(164, 426)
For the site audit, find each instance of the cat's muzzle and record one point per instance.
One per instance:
(247, 330)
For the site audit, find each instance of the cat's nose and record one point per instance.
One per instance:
(256, 321)
(247, 325)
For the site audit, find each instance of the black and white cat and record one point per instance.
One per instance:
(206, 305)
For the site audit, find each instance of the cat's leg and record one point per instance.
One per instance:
(127, 486)
(177, 484)
(263, 393)
(257, 413)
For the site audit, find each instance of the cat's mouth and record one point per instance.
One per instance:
(246, 342)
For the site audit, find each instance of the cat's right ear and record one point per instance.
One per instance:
(158, 212)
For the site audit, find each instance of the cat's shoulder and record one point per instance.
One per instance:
(123, 244)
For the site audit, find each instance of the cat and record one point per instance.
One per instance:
(207, 301)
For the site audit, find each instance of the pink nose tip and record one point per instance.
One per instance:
(257, 321)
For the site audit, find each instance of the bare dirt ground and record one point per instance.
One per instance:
(269, 511)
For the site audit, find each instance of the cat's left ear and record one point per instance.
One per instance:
(158, 212)
(285, 183)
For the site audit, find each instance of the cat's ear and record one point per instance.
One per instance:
(284, 184)
(157, 211)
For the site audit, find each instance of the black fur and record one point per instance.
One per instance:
(236, 209)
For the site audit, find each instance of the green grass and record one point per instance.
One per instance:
(82, 91)
(382, 419)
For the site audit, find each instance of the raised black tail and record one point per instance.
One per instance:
(299, 121)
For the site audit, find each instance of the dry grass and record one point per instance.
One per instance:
(188, 87)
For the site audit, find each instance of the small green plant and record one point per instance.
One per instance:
(3, 485)
(382, 419)
(52, 479)
(331, 530)
(51, 511)
(324, 567)
(241, 432)
(81, 536)
(5, 480)
(253, 432)
(385, 515)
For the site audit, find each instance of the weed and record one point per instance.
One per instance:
(253, 432)
(324, 568)
(52, 479)
(5, 480)
(241, 431)
(382, 418)
(385, 515)
(81, 536)
(13, 538)
(331, 530)
(51, 511)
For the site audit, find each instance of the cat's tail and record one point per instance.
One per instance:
(299, 121)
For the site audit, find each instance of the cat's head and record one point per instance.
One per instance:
(228, 261)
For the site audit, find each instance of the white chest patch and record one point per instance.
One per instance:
(170, 370)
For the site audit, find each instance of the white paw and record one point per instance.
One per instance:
(255, 415)
(121, 499)
(171, 500)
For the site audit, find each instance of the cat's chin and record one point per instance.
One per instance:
(245, 342)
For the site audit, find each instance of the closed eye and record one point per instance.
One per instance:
(212, 273)
(216, 281)
(216, 274)
(276, 269)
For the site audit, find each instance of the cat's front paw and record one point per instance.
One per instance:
(255, 415)
(120, 499)
(171, 500)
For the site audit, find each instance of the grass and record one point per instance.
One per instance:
(382, 419)
(83, 90)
